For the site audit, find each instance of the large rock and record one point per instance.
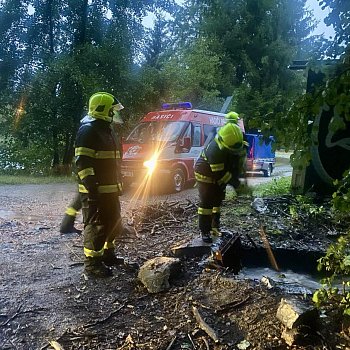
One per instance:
(155, 273)
(294, 312)
(298, 317)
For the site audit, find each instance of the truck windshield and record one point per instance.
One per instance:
(156, 132)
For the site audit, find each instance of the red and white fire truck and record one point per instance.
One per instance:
(165, 144)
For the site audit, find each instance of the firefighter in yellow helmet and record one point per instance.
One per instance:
(98, 162)
(68, 221)
(232, 117)
(218, 165)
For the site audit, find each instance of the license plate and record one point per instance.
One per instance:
(127, 173)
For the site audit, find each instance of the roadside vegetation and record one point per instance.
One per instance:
(35, 180)
(335, 292)
(276, 187)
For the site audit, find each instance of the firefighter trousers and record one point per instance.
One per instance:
(210, 199)
(74, 206)
(102, 223)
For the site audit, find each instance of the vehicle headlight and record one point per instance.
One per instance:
(150, 164)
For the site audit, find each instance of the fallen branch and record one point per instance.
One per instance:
(204, 326)
(50, 341)
(104, 319)
(206, 343)
(19, 312)
(72, 251)
(191, 340)
(12, 317)
(56, 345)
(232, 305)
(171, 343)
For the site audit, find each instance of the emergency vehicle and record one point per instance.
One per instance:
(165, 144)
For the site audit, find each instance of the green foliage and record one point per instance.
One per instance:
(305, 205)
(256, 42)
(341, 197)
(338, 17)
(298, 129)
(35, 180)
(335, 289)
(191, 78)
(52, 60)
(33, 159)
(276, 187)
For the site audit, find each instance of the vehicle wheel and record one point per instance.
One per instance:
(268, 171)
(177, 180)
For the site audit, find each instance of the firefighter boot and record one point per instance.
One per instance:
(215, 232)
(67, 225)
(110, 259)
(215, 223)
(94, 267)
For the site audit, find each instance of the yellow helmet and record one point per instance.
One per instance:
(231, 136)
(232, 117)
(102, 105)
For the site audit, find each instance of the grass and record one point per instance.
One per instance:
(276, 187)
(35, 180)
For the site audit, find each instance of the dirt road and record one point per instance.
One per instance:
(21, 201)
(44, 297)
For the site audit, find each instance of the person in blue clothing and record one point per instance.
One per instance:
(219, 164)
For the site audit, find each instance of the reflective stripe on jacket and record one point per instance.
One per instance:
(215, 164)
(98, 154)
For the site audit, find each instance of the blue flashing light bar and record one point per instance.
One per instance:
(179, 105)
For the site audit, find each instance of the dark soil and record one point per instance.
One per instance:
(44, 297)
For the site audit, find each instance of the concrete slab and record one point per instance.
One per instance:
(194, 248)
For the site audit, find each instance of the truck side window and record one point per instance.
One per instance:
(196, 141)
(209, 130)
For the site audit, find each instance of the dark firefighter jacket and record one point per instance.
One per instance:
(219, 165)
(98, 154)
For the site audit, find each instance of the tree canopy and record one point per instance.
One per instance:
(55, 54)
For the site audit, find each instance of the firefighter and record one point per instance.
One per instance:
(67, 223)
(218, 165)
(232, 117)
(98, 162)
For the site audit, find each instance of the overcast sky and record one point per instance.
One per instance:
(320, 15)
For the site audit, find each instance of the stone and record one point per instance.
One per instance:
(195, 248)
(259, 205)
(294, 312)
(155, 273)
(290, 336)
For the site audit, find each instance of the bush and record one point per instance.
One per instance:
(276, 187)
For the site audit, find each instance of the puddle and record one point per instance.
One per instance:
(289, 281)
(7, 214)
(11, 215)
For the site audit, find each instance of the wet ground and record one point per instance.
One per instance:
(44, 298)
